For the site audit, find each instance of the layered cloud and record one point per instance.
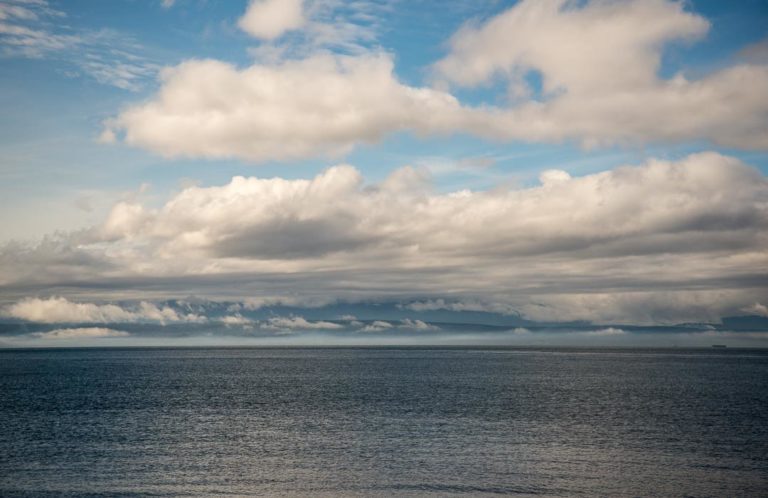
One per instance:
(656, 243)
(598, 65)
(81, 333)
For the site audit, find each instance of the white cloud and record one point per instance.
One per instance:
(297, 323)
(376, 326)
(167, 4)
(297, 29)
(269, 19)
(411, 324)
(81, 333)
(61, 310)
(236, 320)
(322, 105)
(599, 65)
(606, 332)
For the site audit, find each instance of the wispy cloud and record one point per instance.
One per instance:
(38, 30)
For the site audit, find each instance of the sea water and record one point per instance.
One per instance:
(383, 422)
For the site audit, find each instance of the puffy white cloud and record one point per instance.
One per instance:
(81, 333)
(269, 19)
(321, 105)
(61, 310)
(704, 198)
(599, 65)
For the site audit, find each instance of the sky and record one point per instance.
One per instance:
(391, 172)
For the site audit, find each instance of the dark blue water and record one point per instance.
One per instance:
(361, 422)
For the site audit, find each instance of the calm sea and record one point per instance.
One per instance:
(383, 422)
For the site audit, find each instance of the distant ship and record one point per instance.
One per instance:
(719, 346)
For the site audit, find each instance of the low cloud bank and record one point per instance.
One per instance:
(80, 333)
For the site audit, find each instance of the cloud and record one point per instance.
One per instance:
(606, 332)
(420, 325)
(599, 63)
(269, 19)
(322, 105)
(61, 310)
(35, 30)
(756, 309)
(236, 320)
(81, 333)
(167, 4)
(297, 323)
(297, 29)
(655, 243)
(706, 198)
(255, 303)
(377, 326)
(464, 305)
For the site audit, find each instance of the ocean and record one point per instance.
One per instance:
(383, 422)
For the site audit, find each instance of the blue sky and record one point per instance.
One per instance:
(97, 147)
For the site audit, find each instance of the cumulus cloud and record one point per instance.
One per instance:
(704, 198)
(599, 63)
(61, 310)
(322, 105)
(658, 242)
(269, 19)
(81, 333)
